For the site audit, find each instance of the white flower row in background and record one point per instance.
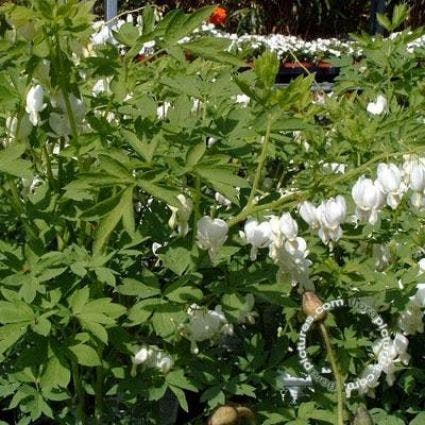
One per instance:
(283, 45)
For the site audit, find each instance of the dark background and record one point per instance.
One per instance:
(305, 18)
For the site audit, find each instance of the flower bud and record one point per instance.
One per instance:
(313, 306)
(362, 416)
(224, 415)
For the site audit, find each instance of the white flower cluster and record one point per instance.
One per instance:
(205, 324)
(287, 250)
(326, 218)
(389, 353)
(370, 196)
(153, 357)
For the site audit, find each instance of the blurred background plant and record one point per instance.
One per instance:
(306, 18)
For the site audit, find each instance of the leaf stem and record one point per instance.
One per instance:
(261, 161)
(336, 372)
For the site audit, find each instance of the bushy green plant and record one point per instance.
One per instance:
(125, 184)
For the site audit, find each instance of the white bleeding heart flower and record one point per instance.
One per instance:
(390, 178)
(25, 127)
(212, 234)
(258, 235)
(288, 227)
(34, 104)
(419, 297)
(153, 357)
(389, 175)
(103, 35)
(180, 215)
(143, 355)
(222, 200)
(378, 106)
(369, 198)
(162, 110)
(204, 324)
(59, 124)
(101, 86)
(242, 99)
(291, 258)
(309, 213)
(164, 363)
(390, 352)
(414, 177)
(331, 214)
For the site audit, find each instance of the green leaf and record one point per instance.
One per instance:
(419, 419)
(176, 257)
(143, 149)
(18, 312)
(148, 19)
(42, 326)
(86, 355)
(10, 162)
(184, 294)
(78, 299)
(178, 379)
(166, 195)
(195, 154)
(180, 397)
(101, 209)
(400, 14)
(56, 374)
(384, 21)
(213, 48)
(9, 335)
(142, 311)
(127, 34)
(266, 68)
(109, 223)
(143, 287)
(182, 25)
(96, 329)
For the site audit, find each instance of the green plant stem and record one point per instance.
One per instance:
(81, 414)
(99, 396)
(336, 372)
(196, 196)
(49, 167)
(261, 161)
(19, 209)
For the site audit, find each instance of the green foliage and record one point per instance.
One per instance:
(87, 191)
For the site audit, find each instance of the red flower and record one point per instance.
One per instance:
(219, 16)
